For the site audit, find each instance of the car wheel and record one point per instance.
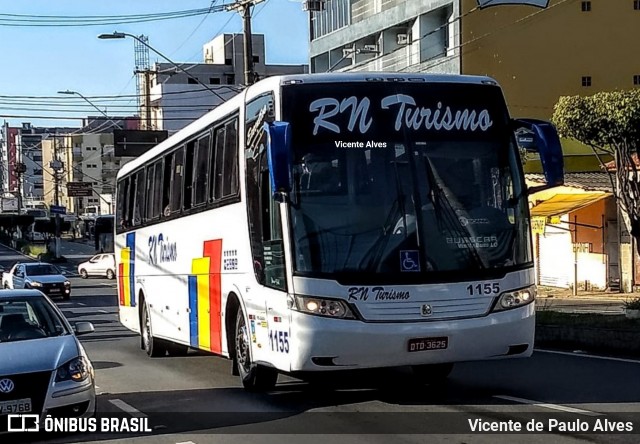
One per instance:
(154, 347)
(110, 274)
(254, 377)
(84, 274)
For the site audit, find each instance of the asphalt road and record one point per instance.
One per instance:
(196, 399)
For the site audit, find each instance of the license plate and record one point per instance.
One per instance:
(54, 290)
(16, 406)
(426, 344)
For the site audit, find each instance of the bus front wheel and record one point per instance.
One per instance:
(254, 377)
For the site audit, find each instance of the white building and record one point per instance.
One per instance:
(177, 99)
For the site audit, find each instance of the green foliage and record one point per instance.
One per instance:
(605, 120)
(633, 304)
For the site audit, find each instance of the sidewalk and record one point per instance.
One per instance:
(597, 302)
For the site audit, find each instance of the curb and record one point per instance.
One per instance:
(626, 342)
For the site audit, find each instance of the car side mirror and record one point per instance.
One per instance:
(83, 328)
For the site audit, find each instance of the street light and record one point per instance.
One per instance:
(68, 92)
(122, 35)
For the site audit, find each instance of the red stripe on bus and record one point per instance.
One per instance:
(213, 250)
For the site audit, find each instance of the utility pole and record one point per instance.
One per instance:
(146, 103)
(56, 166)
(244, 8)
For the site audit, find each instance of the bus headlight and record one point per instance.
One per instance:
(331, 308)
(516, 298)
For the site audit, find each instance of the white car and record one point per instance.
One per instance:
(44, 369)
(99, 265)
(38, 275)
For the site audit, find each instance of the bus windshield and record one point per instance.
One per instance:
(401, 182)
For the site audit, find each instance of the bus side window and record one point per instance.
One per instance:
(188, 175)
(201, 178)
(217, 163)
(230, 164)
(167, 188)
(176, 180)
(138, 205)
(121, 203)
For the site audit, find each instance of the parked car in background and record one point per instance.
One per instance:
(99, 265)
(44, 369)
(37, 275)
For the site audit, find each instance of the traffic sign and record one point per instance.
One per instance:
(57, 209)
(79, 189)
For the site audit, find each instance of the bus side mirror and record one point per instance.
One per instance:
(541, 137)
(279, 156)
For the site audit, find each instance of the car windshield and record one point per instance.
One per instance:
(41, 270)
(29, 318)
(386, 191)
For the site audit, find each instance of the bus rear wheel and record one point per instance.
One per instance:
(431, 373)
(254, 377)
(154, 347)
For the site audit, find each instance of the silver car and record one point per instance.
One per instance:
(37, 275)
(44, 369)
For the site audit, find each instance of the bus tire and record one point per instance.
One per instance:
(154, 347)
(431, 373)
(176, 349)
(110, 274)
(254, 377)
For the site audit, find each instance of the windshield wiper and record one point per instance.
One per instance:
(446, 213)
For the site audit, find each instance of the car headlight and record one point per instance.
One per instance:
(516, 298)
(35, 284)
(332, 308)
(67, 283)
(78, 369)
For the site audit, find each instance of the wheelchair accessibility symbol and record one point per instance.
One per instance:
(409, 260)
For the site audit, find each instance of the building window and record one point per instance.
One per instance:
(586, 6)
(586, 80)
(636, 80)
(230, 79)
(92, 165)
(636, 5)
(228, 61)
(192, 81)
(214, 80)
(256, 59)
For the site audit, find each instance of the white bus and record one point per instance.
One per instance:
(328, 222)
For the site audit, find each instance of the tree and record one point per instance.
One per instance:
(609, 123)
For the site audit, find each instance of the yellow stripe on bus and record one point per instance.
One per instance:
(200, 267)
(125, 255)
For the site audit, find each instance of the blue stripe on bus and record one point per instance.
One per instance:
(131, 244)
(193, 310)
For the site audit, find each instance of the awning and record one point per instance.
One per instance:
(565, 203)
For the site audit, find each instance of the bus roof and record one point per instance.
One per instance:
(274, 82)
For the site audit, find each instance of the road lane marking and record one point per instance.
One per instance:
(103, 311)
(581, 355)
(82, 303)
(127, 408)
(545, 405)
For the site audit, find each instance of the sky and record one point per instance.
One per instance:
(39, 61)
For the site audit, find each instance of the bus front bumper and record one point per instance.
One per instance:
(324, 344)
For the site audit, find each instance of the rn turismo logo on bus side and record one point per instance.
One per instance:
(426, 310)
(6, 385)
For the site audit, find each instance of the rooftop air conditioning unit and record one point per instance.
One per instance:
(370, 48)
(403, 39)
(313, 5)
